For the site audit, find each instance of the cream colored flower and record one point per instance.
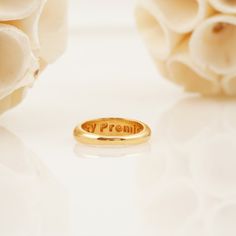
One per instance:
(193, 40)
(28, 29)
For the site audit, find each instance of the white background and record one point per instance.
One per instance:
(101, 13)
(180, 183)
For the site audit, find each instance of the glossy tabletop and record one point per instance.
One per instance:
(183, 182)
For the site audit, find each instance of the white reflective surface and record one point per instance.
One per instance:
(32, 201)
(181, 183)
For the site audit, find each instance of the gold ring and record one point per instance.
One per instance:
(112, 131)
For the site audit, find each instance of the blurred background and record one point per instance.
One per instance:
(178, 184)
(106, 49)
(92, 14)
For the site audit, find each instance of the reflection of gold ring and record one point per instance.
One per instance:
(112, 131)
(119, 151)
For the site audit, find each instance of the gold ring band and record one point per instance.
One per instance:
(112, 131)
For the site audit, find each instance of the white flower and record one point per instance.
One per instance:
(33, 34)
(193, 41)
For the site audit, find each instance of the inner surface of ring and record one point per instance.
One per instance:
(113, 127)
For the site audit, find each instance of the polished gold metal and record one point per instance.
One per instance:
(112, 131)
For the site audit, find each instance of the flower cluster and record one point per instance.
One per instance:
(32, 35)
(192, 42)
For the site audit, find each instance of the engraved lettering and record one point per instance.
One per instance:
(135, 129)
(86, 128)
(131, 130)
(139, 129)
(103, 126)
(111, 127)
(93, 126)
(118, 128)
(90, 128)
(126, 129)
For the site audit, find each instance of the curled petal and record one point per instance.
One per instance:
(53, 30)
(16, 60)
(12, 100)
(229, 85)
(183, 71)
(182, 15)
(47, 29)
(212, 45)
(17, 9)
(158, 37)
(225, 6)
(30, 25)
